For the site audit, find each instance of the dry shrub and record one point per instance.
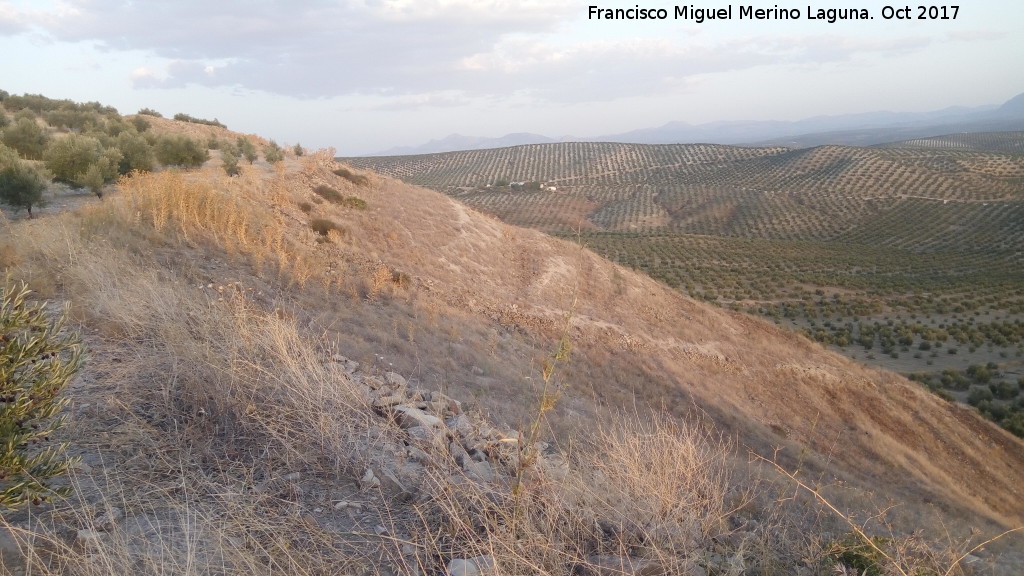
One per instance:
(647, 494)
(329, 194)
(209, 401)
(357, 179)
(671, 478)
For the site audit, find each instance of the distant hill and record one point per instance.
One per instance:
(976, 141)
(864, 129)
(460, 142)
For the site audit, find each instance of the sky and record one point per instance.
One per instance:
(366, 75)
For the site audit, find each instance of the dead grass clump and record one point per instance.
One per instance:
(354, 202)
(324, 226)
(650, 496)
(335, 197)
(357, 179)
(329, 194)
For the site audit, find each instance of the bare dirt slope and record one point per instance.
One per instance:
(769, 386)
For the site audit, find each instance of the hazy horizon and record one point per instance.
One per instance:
(363, 76)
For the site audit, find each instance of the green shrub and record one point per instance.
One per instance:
(273, 153)
(140, 123)
(68, 158)
(21, 184)
(298, 151)
(979, 394)
(305, 207)
(866, 559)
(136, 153)
(247, 149)
(181, 117)
(73, 119)
(27, 137)
(180, 150)
(353, 202)
(150, 112)
(1004, 389)
(38, 358)
(230, 162)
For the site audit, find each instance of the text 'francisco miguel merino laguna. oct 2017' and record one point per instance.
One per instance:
(750, 12)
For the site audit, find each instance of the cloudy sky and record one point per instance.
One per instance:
(366, 75)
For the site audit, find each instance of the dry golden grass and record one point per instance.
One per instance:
(211, 310)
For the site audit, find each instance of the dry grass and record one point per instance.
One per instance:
(217, 426)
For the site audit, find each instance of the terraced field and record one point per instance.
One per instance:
(853, 246)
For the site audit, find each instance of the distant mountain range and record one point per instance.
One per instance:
(865, 129)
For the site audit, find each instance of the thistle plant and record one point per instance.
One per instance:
(38, 358)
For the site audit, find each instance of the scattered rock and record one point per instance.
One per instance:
(418, 455)
(458, 453)
(108, 520)
(623, 566)
(734, 540)
(970, 559)
(410, 417)
(11, 556)
(369, 480)
(395, 379)
(88, 537)
(433, 438)
(460, 424)
(479, 471)
(389, 400)
(472, 566)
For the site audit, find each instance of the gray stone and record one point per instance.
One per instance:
(623, 566)
(108, 520)
(432, 439)
(458, 453)
(11, 556)
(418, 455)
(461, 425)
(410, 417)
(395, 379)
(369, 480)
(479, 471)
(970, 559)
(389, 400)
(88, 538)
(472, 566)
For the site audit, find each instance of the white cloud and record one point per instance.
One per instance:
(440, 53)
(11, 19)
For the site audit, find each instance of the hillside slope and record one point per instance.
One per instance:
(753, 377)
(175, 274)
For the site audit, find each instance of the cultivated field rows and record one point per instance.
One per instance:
(930, 228)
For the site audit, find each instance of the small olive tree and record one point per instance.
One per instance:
(21, 183)
(273, 153)
(27, 137)
(38, 358)
(248, 149)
